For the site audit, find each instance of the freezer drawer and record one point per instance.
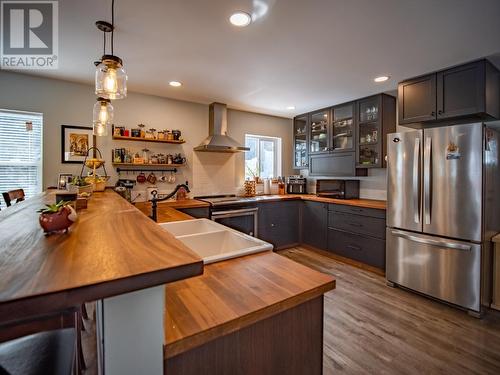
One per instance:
(442, 268)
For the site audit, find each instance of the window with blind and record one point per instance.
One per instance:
(20, 152)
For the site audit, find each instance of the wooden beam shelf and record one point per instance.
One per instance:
(138, 139)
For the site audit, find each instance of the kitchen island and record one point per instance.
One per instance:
(259, 313)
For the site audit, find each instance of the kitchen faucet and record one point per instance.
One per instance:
(155, 199)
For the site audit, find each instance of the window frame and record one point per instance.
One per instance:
(278, 153)
(38, 164)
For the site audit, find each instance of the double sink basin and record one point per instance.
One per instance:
(214, 242)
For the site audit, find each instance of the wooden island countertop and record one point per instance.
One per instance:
(112, 249)
(234, 294)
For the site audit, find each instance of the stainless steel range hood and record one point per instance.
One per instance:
(218, 140)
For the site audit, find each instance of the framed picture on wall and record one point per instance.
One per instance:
(75, 141)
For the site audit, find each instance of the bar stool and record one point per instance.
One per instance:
(50, 352)
(9, 196)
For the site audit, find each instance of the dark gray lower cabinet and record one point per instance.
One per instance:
(357, 233)
(314, 224)
(243, 224)
(279, 223)
(364, 249)
(353, 232)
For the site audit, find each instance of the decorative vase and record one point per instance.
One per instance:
(58, 221)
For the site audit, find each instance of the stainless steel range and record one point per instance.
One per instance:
(239, 213)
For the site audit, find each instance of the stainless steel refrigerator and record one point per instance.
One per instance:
(443, 208)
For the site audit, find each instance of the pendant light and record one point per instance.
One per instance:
(102, 117)
(110, 77)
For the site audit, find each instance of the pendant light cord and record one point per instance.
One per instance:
(112, 25)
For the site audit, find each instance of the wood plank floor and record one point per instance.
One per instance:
(371, 328)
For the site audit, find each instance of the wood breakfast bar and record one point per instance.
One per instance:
(113, 254)
(159, 310)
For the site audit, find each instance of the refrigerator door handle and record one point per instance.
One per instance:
(432, 242)
(416, 182)
(427, 179)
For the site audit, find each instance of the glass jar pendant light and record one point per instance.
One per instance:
(110, 76)
(102, 117)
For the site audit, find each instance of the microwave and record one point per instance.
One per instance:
(338, 189)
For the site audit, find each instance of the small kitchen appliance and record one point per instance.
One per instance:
(296, 185)
(338, 189)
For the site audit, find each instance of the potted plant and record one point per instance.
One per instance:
(81, 186)
(57, 217)
(98, 182)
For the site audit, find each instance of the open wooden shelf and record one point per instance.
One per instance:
(138, 139)
(147, 165)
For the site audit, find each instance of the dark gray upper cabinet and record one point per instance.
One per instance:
(343, 128)
(279, 223)
(300, 142)
(461, 91)
(346, 139)
(319, 130)
(417, 99)
(314, 224)
(467, 91)
(376, 119)
(340, 164)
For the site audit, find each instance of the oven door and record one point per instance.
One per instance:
(244, 220)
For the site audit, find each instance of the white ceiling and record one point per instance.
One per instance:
(306, 53)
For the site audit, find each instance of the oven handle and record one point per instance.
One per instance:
(239, 212)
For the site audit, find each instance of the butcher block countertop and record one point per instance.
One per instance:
(233, 294)
(112, 249)
(168, 210)
(365, 203)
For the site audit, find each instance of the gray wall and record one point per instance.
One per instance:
(70, 103)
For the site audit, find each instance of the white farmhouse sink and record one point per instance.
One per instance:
(214, 242)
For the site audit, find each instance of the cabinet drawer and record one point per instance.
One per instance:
(372, 212)
(366, 225)
(363, 249)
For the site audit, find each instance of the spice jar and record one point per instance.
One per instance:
(170, 136)
(161, 134)
(142, 130)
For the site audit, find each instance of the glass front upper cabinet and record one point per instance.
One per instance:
(319, 131)
(300, 159)
(343, 128)
(369, 131)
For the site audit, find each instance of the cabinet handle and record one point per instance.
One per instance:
(357, 248)
(440, 112)
(355, 225)
(273, 225)
(433, 113)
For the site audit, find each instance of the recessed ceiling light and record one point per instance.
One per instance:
(381, 78)
(290, 107)
(175, 84)
(240, 19)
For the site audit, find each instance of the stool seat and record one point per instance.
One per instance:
(50, 352)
